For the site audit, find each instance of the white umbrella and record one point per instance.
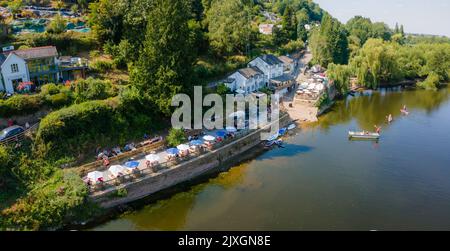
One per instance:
(231, 129)
(209, 138)
(152, 157)
(304, 85)
(319, 87)
(95, 175)
(117, 169)
(311, 86)
(183, 147)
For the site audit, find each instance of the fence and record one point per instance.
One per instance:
(21, 136)
(97, 165)
(149, 170)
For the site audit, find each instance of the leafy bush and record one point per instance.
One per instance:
(430, 83)
(101, 65)
(48, 205)
(176, 137)
(59, 99)
(80, 128)
(20, 105)
(92, 89)
(49, 89)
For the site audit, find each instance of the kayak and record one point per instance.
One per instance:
(363, 135)
(291, 127)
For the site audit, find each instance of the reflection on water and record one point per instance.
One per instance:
(320, 180)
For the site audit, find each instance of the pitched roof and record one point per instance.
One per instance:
(2, 58)
(286, 59)
(37, 52)
(271, 59)
(250, 72)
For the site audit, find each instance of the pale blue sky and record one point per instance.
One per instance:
(418, 16)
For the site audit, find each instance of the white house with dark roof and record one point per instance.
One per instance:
(270, 65)
(38, 65)
(246, 80)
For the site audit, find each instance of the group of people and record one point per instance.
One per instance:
(390, 118)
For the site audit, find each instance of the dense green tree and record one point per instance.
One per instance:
(302, 20)
(377, 63)
(57, 25)
(329, 43)
(289, 24)
(341, 75)
(176, 137)
(165, 64)
(106, 19)
(228, 26)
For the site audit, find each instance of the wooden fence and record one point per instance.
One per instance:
(97, 165)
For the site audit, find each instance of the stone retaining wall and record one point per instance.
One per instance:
(186, 171)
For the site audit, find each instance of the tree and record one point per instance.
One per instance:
(15, 6)
(176, 137)
(57, 25)
(165, 65)
(228, 26)
(377, 62)
(302, 20)
(329, 43)
(289, 24)
(106, 19)
(341, 75)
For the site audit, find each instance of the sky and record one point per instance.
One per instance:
(417, 16)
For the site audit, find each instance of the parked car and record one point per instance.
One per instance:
(11, 132)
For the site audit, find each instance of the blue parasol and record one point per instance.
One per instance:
(172, 151)
(132, 164)
(196, 142)
(221, 133)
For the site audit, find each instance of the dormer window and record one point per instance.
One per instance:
(14, 68)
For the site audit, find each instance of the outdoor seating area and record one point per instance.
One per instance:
(155, 161)
(313, 88)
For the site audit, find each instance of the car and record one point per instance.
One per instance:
(11, 132)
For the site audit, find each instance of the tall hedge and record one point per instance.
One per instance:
(80, 128)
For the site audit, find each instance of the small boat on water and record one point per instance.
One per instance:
(404, 112)
(291, 127)
(364, 135)
(272, 143)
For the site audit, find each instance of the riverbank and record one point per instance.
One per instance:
(169, 181)
(322, 181)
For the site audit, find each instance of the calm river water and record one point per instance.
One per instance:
(323, 181)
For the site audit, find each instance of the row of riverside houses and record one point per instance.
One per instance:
(38, 65)
(269, 71)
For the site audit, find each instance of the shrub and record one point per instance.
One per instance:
(48, 205)
(49, 89)
(80, 128)
(175, 137)
(92, 89)
(430, 83)
(20, 105)
(58, 100)
(101, 65)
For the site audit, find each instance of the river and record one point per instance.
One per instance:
(323, 181)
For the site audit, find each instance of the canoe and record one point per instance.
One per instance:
(362, 135)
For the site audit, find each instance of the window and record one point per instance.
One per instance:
(14, 68)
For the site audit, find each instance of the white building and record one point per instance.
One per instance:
(289, 64)
(246, 80)
(266, 29)
(38, 65)
(14, 71)
(270, 65)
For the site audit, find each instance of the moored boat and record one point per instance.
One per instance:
(364, 135)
